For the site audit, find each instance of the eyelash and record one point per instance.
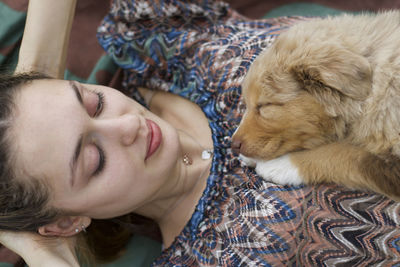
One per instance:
(102, 161)
(100, 104)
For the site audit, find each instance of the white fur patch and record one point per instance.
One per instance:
(248, 161)
(280, 170)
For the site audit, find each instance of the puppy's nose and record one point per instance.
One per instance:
(236, 144)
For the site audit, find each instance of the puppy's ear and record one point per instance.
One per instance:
(334, 71)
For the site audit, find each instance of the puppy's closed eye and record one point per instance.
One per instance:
(270, 110)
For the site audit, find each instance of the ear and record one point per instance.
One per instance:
(65, 226)
(333, 71)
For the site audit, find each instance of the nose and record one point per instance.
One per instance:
(123, 128)
(236, 144)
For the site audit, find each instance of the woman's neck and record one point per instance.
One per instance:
(194, 136)
(193, 182)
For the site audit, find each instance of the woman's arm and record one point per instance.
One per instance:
(41, 251)
(46, 36)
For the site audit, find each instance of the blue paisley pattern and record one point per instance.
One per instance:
(201, 51)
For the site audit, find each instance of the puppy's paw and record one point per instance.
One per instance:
(248, 161)
(280, 170)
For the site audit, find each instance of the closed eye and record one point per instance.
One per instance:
(270, 110)
(100, 103)
(94, 106)
(102, 161)
(266, 104)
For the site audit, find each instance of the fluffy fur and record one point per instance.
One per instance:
(328, 93)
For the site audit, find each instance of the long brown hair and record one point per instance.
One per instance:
(23, 205)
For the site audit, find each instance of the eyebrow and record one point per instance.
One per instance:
(78, 146)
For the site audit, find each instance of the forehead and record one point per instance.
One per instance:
(41, 129)
(251, 86)
(269, 86)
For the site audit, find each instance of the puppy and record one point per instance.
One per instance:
(323, 105)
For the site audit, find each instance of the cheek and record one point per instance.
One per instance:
(123, 168)
(253, 132)
(262, 136)
(128, 174)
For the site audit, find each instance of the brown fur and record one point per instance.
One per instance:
(329, 92)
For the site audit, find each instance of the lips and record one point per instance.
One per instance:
(154, 137)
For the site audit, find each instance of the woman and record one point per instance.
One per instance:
(113, 147)
(159, 143)
(110, 156)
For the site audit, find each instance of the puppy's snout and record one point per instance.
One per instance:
(236, 144)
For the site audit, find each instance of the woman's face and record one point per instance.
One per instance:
(102, 153)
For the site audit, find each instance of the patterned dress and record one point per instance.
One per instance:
(201, 51)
